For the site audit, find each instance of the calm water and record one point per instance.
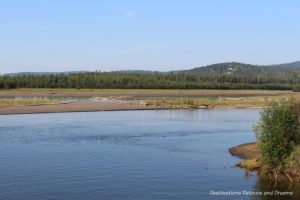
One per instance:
(124, 155)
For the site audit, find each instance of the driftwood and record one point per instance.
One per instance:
(289, 177)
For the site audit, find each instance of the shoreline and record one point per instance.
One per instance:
(96, 107)
(245, 151)
(72, 107)
(250, 156)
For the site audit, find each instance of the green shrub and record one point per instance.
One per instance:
(278, 132)
(293, 160)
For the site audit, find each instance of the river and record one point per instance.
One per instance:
(171, 154)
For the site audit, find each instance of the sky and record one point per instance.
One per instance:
(163, 35)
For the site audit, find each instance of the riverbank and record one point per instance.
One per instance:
(251, 155)
(29, 101)
(246, 151)
(92, 107)
(73, 107)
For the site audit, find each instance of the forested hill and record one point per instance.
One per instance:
(234, 68)
(290, 65)
(217, 76)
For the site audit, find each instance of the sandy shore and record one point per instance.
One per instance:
(246, 151)
(91, 107)
(88, 100)
(74, 107)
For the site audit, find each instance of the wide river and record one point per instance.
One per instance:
(173, 154)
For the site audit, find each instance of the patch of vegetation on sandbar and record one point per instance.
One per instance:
(205, 103)
(220, 102)
(249, 164)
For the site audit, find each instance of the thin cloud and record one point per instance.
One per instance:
(128, 13)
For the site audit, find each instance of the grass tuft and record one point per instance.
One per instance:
(251, 164)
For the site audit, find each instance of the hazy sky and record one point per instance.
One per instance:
(65, 35)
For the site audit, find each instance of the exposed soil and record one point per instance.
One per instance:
(246, 151)
(74, 107)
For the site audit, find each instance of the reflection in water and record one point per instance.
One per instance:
(280, 190)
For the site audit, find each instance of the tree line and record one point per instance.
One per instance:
(157, 80)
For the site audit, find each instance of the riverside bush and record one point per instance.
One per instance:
(278, 132)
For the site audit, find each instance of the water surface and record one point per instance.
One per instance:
(175, 154)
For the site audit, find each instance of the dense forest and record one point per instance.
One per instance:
(218, 76)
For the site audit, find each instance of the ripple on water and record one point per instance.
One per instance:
(123, 155)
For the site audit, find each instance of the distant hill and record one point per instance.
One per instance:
(235, 68)
(231, 75)
(289, 65)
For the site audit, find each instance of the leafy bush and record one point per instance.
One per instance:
(278, 132)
